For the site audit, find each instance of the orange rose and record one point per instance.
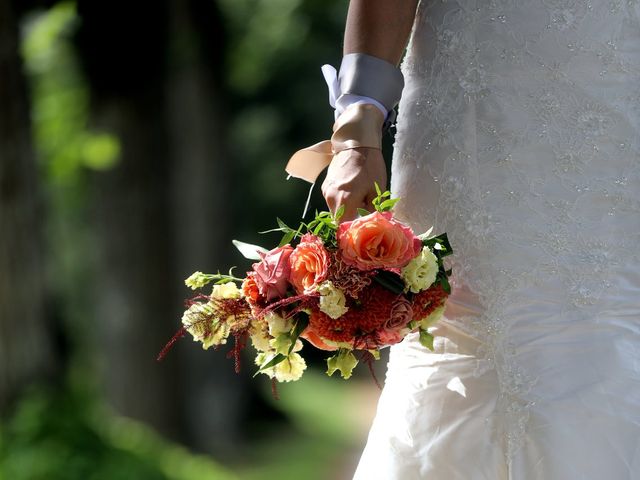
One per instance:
(309, 264)
(377, 241)
(250, 288)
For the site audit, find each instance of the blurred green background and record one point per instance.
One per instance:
(136, 140)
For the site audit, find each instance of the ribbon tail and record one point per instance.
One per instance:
(331, 78)
(308, 163)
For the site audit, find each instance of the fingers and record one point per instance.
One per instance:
(350, 181)
(351, 202)
(368, 201)
(351, 206)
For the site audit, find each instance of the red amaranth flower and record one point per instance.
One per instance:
(362, 319)
(428, 300)
(236, 312)
(351, 280)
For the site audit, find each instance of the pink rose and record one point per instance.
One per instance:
(377, 241)
(309, 264)
(395, 328)
(390, 337)
(401, 315)
(272, 273)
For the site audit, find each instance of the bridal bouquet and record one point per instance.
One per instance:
(351, 288)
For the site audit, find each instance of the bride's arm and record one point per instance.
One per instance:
(379, 28)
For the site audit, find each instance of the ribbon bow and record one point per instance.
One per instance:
(360, 125)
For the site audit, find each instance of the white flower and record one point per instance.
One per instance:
(226, 290)
(260, 338)
(332, 300)
(278, 324)
(197, 280)
(201, 323)
(421, 272)
(282, 343)
(288, 370)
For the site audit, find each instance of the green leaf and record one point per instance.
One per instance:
(378, 191)
(390, 281)
(286, 238)
(444, 282)
(345, 361)
(283, 225)
(271, 230)
(444, 247)
(388, 204)
(282, 344)
(275, 360)
(301, 324)
(339, 213)
(363, 212)
(383, 201)
(426, 339)
(223, 281)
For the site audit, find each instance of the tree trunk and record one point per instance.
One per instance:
(122, 47)
(216, 397)
(162, 212)
(26, 347)
(135, 303)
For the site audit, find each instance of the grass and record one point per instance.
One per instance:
(330, 418)
(70, 436)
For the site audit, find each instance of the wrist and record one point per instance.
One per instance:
(360, 125)
(347, 99)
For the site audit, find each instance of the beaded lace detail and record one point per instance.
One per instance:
(514, 138)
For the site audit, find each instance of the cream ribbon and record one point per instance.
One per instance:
(360, 125)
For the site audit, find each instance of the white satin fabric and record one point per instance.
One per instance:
(519, 136)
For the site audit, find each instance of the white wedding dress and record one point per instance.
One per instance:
(519, 136)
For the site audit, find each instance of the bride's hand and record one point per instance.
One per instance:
(350, 180)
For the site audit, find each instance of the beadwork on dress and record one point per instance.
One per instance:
(502, 144)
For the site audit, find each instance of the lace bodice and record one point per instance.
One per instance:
(518, 136)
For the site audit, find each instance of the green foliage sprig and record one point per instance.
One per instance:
(441, 248)
(324, 225)
(383, 201)
(199, 279)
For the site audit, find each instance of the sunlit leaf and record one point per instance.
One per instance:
(426, 339)
(275, 360)
(248, 250)
(301, 324)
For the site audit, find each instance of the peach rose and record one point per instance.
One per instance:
(309, 264)
(316, 340)
(250, 288)
(272, 273)
(377, 241)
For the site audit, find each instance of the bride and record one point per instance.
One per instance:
(519, 135)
